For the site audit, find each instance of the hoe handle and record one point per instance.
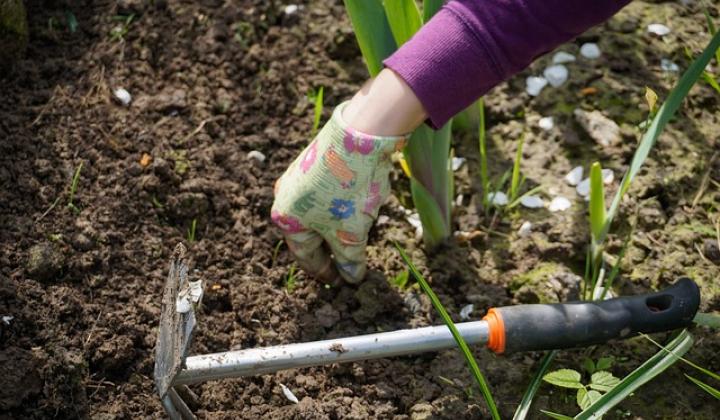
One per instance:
(576, 324)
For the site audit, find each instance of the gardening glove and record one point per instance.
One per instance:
(329, 197)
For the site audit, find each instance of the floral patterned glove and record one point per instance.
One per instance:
(329, 197)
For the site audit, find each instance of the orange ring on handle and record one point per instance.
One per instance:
(496, 329)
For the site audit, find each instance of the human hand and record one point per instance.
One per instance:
(329, 197)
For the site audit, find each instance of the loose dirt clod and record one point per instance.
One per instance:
(44, 261)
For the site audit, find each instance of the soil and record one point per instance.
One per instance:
(212, 81)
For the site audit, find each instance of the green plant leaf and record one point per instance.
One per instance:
(401, 279)
(586, 398)
(524, 408)
(604, 363)
(588, 365)
(705, 387)
(684, 360)
(663, 116)
(434, 228)
(484, 180)
(556, 416)
(597, 202)
(566, 378)
(372, 32)
(515, 179)
(403, 17)
(317, 112)
(474, 369)
(430, 7)
(637, 378)
(707, 319)
(603, 380)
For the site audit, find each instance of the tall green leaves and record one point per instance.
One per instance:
(381, 26)
(372, 32)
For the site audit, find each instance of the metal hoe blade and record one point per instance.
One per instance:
(174, 337)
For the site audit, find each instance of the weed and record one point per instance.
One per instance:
(400, 281)
(601, 381)
(73, 189)
(191, 231)
(291, 279)
(275, 252)
(118, 32)
(316, 97)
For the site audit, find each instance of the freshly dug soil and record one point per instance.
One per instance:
(82, 264)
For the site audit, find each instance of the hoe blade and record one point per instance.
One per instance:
(175, 332)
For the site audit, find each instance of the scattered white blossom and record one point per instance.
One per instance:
(574, 176)
(532, 201)
(590, 50)
(546, 123)
(658, 29)
(559, 204)
(123, 96)
(669, 66)
(583, 188)
(608, 176)
(457, 162)
(288, 394)
(561, 57)
(254, 154)
(525, 229)
(291, 8)
(466, 311)
(7, 318)
(534, 84)
(556, 75)
(498, 198)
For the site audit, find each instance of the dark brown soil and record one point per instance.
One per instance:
(214, 80)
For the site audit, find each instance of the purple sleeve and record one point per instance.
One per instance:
(470, 46)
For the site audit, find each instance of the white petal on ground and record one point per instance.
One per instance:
(291, 8)
(534, 84)
(559, 204)
(583, 188)
(466, 311)
(561, 57)
(590, 50)
(414, 220)
(669, 66)
(254, 154)
(459, 200)
(658, 29)
(382, 219)
(532, 201)
(457, 162)
(288, 394)
(608, 176)
(546, 123)
(498, 198)
(556, 75)
(123, 96)
(7, 318)
(574, 176)
(525, 229)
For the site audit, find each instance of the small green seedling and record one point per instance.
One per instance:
(400, 281)
(191, 231)
(317, 98)
(73, 188)
(275, 252)
(603, 363)
(291, 279)
(601, 381)
(118, 32)
(484, 180)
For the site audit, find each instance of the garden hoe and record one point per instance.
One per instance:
(504, 329)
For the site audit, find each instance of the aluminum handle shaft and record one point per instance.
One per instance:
(259, 361)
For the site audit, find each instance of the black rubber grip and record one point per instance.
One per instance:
(574, 324)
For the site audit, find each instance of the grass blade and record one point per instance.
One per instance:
(403, 17)
(318, 110)
(484, 180)
(663, 116)
(637, 378)
(684, 360)
(522, 411)
(456, 335)
(515, 180)
(372, 32)
(705, 387)
(597, 202)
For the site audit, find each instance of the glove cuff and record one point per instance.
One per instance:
(355, 141)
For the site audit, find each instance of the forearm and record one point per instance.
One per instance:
(470, 46)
